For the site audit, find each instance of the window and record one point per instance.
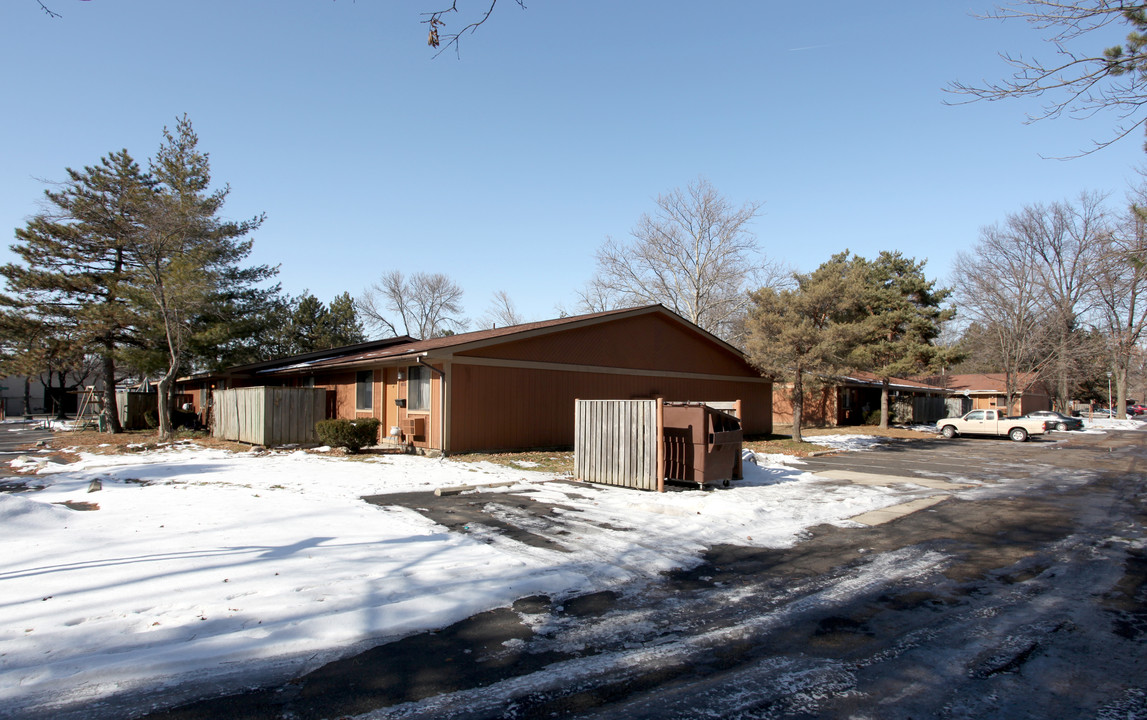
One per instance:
(364, 390)
(977, 415)
(418, 388)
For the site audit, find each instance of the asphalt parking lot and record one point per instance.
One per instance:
(962, 458)
(1020, 593)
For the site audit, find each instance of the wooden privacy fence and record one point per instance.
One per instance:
(929, 408)
(268, 415)
(623, 442)
(616, 442)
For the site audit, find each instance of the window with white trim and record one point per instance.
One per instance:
(418, 388)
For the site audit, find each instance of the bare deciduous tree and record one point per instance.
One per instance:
(435, 39)
(1064, 239)
(998, 288)
(501, 312)
(427, 305)
(50, 12)
(1122, 293)
(1080, 83)
(695, 255)
(596, 297)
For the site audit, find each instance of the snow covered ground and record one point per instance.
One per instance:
(201, 564)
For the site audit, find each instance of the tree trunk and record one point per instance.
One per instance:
(27, 396)
(1121, 392)
(798, 406)
(1064, 398)
(1009, 392)
(111, 410)
(166, 431)
(884, 403)
(62, 376)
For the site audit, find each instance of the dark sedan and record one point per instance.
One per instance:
(1058, 421)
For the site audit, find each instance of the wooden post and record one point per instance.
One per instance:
(660, 445)
(738, 469)
(578, 451)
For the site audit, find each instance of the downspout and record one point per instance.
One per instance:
(441, 401)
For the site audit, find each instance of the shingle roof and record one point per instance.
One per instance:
(986, 382)
(417, 347)
(867, 378)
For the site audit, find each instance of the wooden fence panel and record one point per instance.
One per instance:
(956, 406)
(929, 409)
(615, 442)
(268, 415)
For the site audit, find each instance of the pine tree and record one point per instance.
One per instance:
(128, 264)
(902, 318)
(314, 326)
(75, 273)
(806, 332)
(22, 348)
(187, 256)
(343, 322)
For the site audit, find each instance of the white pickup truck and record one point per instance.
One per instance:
(992, 422)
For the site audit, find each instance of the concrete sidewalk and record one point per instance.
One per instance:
(888, 514)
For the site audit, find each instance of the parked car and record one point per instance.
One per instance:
(1058, 421)
(1136, 409)
(992, 422)
(1095, 413)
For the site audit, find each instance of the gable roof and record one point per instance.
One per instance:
(299, 360)
(986, 383)
(407, 348)
(328, 354)
(862, 377)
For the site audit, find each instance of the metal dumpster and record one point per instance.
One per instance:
(702, 445)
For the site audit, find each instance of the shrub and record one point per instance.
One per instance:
(354, 435)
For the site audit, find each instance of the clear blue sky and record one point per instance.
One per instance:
(558, 125)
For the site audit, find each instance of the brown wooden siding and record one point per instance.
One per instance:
(391, 388)
(1025, 404)
(820, 406)
(340, 393)
(648, 342)
(196, 392)
(496, 408)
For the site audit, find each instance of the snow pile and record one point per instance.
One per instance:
(196, 563)
(1112, 424)
(846, 442)
(21, 515)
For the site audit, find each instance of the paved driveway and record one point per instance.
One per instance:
(15, 440)
(957, 460)
(1021, 594)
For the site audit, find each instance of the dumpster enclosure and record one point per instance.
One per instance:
(644, 443)
(268, 415)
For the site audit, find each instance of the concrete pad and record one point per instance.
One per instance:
(861, 478)
(888, 514)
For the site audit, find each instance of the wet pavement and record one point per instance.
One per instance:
(17, 439)
(1020, 593)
